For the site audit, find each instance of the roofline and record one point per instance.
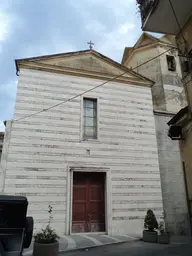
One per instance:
(147, 34)
(125, 68)
(47, 56)
(53, 55)
(124, 54)
(157, 41)
(148, 45)
(81, 52)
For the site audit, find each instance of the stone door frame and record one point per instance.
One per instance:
(69, 197)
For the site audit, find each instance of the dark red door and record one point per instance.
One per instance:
(88, 202)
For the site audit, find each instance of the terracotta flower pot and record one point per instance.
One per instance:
(149, 236)
(46, 249)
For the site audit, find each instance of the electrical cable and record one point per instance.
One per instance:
(157, 56)
(93, 88)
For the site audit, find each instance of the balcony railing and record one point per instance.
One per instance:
(145, 6)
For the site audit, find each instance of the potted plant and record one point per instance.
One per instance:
(46, 241)
(150, 224)
(163, 237)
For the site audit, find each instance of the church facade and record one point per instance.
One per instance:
(92, 156)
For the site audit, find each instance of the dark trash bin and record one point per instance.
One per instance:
(16, 229)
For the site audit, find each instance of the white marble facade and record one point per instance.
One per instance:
(42, 149)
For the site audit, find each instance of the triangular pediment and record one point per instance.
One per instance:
(88, 62)
(145, 39)
(168, 39)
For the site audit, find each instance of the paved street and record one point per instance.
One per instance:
(136, 248)
(79, 241)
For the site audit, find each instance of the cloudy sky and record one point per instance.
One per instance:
(36, 27)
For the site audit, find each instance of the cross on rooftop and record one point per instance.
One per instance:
(90, 45)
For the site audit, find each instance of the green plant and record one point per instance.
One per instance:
(47, 235)
(144, 7)
(150, 221)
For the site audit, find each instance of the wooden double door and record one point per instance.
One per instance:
(88, 208)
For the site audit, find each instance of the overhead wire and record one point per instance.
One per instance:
(93, 88)
(112, 79)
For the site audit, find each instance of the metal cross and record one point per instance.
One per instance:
(90, 45)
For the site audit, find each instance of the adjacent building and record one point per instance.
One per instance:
(1, 149)
(168, 92)
(1, 142)
(168, 97)
(175, 17)
(92, 156)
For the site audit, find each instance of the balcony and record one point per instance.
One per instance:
(158, 16)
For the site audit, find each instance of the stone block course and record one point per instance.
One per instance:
(172, 182)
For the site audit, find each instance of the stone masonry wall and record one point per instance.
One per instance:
(167, 92)
(151, 70)
(172, 180)
(43, 147)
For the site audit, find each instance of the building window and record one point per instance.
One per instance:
(171, 63)
(187, 63)
(1, 137)
(89, 118)
(186, 66)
